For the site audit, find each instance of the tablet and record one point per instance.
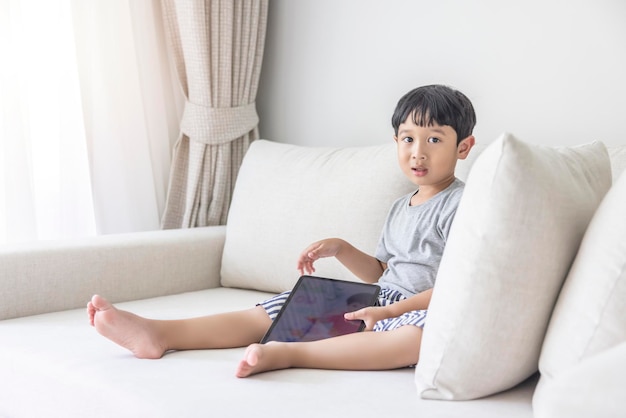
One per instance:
(315, 307)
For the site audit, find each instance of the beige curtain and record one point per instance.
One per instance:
(217, 48)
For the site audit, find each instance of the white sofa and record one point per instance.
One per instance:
(53, 364)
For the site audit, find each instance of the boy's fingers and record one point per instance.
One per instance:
(353, 315)
(306, 267)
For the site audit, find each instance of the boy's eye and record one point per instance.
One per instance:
(434, 140)
(408, 139)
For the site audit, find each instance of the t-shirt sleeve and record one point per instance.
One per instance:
(382, 252)
(449, 211)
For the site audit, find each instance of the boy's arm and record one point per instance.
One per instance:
(373, 314)
(362, 265)
(416, 302)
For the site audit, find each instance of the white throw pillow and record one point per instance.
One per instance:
(618, 160)
(517, 229)
(590, 314)
(289, 196)
(593, 388)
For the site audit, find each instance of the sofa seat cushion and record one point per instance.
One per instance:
(56, 365)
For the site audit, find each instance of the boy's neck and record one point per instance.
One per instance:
(425, 193)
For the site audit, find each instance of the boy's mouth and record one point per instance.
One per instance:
(419, 171)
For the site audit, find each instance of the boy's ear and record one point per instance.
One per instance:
(465, 146)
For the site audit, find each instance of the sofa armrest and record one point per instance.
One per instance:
(51, 276)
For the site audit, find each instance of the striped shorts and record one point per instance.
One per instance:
(386, 297)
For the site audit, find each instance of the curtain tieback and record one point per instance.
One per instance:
(218, 125)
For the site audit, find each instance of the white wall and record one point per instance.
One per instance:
(549, 71)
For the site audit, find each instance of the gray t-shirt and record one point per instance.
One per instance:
(413, 239)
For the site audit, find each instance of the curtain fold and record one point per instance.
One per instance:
(217, 47)
(128, 97)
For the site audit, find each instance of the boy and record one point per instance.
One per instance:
(433, 129)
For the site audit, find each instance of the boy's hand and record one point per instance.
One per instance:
(321, 249)
(369, 315)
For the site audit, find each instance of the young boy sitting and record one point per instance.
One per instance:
(433, 129)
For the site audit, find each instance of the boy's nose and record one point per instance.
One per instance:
(418, 152)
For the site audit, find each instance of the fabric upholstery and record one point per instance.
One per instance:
(78, 373)
(43, 277)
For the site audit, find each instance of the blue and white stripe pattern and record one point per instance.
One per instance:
(272, 305)
(416, 318)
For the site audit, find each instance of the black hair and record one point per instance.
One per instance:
(438, 104)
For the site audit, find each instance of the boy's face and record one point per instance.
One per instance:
(428, 154)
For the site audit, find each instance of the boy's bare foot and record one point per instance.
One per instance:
(137, 334)
(260, 358)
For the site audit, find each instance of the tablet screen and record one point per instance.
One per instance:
(315, 309)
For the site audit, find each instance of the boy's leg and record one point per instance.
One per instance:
(359, 351)
(149, 338)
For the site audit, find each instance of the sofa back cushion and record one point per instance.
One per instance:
(592, 388)
(520, 221)
(590, 315)
(618, 160)
(288, 196)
